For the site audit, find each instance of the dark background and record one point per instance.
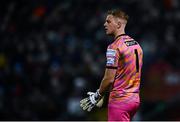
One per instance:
(53, 51)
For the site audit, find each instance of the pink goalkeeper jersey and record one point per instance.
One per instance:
(125, 55)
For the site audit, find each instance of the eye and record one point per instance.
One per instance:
(108, 21)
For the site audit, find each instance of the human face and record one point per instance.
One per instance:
(110, 25)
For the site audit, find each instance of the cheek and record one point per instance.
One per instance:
(111, 27)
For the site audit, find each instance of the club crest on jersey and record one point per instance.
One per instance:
(110, 61)
(111, 52)
(130, 43)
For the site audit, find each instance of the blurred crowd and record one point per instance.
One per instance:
(52, 52)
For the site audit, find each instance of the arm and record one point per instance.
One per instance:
(112, 56)
(107, 80)
(96, 98)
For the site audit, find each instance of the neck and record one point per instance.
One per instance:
(119, 33)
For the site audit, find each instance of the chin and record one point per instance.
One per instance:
(108, 33)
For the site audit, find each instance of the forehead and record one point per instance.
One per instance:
(109, 17)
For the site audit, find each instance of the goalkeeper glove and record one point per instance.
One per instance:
(100, 103)
(91, 101)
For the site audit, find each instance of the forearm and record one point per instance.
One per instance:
(107, 80)
(105, 85)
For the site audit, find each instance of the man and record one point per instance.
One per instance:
(123, 71)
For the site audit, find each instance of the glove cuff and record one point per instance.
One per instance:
(98, 93)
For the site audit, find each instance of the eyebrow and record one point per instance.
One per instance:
(107, 20)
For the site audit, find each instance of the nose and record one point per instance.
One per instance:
(105, 24)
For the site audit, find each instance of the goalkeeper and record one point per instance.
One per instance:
(122, 74)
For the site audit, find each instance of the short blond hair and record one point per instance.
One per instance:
(118, 13)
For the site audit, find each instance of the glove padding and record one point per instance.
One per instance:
(100, 102)
(90, 102)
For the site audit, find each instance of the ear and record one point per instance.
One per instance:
(119, 24)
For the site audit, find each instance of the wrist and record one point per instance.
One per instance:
(98, 93)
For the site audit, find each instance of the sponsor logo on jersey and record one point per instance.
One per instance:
(110, 61)
(130, 43)
(111, 52)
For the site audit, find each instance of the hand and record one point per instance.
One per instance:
(100, 103)
(91, 101)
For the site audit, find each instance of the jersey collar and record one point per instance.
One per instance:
(120, 35)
